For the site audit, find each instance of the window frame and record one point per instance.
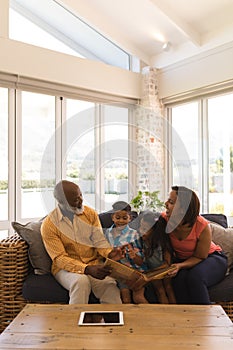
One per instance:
(15, 143)
(201, 96)
(90, 44)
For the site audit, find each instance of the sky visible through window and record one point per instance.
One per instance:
(22, 29)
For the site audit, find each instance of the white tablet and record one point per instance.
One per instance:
(101, 318)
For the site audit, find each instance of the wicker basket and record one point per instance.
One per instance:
(14, 269)
(228, 308)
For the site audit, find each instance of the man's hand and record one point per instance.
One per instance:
(98, 271)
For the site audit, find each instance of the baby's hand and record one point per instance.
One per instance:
(131, 251)
(116, 254)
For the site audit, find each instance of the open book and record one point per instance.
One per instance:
(134, 278)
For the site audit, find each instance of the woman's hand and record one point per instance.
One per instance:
(174, 272)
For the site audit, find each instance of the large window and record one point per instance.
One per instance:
(45, 138)
(202, 151)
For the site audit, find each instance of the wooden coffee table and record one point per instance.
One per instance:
(148, 326)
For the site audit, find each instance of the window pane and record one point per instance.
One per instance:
(43, 25)
(115, 155)
(4, 154)
(80, 147)
(38, 152)
(21, 29)
(185, 145)
(220, 114)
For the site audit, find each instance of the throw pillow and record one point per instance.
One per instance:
(38, 256)
(224, 237)
(220, 219)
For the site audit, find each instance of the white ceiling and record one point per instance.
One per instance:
(142, 26)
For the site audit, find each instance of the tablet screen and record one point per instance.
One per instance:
(101, 318)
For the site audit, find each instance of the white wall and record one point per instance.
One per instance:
(30, 61)
(213, 67)
(34, 62)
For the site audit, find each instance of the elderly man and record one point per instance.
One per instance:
(74, 239)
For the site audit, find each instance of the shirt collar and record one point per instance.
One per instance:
(62, 214)
(59, 213)
(125, 230)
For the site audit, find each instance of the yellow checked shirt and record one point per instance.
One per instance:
(73, 246)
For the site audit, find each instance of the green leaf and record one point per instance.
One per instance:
(146, 200)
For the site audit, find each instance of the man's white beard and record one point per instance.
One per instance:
(77, 211)
(74, 210)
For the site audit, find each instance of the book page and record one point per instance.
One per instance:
(122, 272)
(135, 278)
(158, 273)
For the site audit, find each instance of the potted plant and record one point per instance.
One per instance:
(145, 200)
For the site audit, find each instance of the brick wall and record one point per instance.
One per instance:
(149, 123)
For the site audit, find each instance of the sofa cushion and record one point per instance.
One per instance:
(38, 256)
(224, 237)
(223, 291)
(106, 219)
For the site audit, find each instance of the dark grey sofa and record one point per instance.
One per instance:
(44, 287)
(25, 270)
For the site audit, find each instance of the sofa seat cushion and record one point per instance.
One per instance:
(46, 289)
(223, 291)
